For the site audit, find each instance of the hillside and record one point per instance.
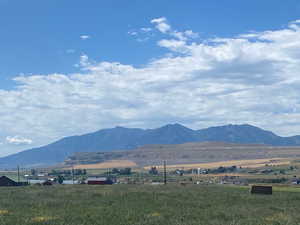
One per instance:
(188, 153)
(121, 138)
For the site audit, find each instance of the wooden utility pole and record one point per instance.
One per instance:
(73, 174)
(165, 172)
(18, 174)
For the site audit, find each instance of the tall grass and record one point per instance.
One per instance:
(145, 205)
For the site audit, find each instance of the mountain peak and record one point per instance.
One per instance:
(120, 127)
(238, 126)
(174, 126)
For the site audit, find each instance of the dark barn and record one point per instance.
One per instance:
(5, 182)
(99, 181)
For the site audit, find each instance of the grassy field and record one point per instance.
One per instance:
(107, 165)
(138, 205)
(249, 163)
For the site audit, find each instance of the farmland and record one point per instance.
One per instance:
(108, 164)
(147, 204)
(250, 163)
(207, 155)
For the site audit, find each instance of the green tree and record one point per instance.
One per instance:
(153, 170)
(60, 179)
(33, 172)
(125, 171)
(115, 171)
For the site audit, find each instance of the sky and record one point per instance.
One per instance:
(73, 67)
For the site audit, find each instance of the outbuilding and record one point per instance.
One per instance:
(99, 180)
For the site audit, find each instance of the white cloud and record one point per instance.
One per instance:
(174, 45)
(191, 34)
(295, 21)
(161, 24)
(85, 37)
(251, 78)
(146, 29)
(17, 140)
(84, 61)
(132, 33)
(141, 35)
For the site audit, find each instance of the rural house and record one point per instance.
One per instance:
(5, 182)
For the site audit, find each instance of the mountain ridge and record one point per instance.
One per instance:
(122, 138)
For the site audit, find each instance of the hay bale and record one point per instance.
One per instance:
(265, 190)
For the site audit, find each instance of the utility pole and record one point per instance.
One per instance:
(165, 172)
(18, 174)
(73, 174)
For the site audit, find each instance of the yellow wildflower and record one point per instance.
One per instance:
(42, 218)
(3, 212)
(155, 214)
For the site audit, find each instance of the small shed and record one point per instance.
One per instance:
(99, 181)
(6, 182)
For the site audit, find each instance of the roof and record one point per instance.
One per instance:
(5, 181)
(71, 182)
(97, 179)
(32, 181)
(6, 178)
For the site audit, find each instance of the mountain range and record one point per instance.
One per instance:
(121, 138)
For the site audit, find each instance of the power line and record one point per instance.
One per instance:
(165, 172)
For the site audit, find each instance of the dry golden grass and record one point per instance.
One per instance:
(249, 163)
(219, 175)
(107, 165)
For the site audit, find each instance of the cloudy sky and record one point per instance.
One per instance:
(72, 68)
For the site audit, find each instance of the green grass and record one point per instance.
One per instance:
(147, 205)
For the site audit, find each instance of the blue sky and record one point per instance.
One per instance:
(72, 67)
(36, 35)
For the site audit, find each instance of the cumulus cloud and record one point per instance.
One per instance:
(17, 140)
(252, 78)
(161, 24)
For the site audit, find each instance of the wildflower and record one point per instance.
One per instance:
(155, 214)
(42, 218)
(3, 212)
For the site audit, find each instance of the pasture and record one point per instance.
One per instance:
(147, 205)
(249, 163)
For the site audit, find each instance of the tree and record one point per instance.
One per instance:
(33, 172)
(60, 179)
(125, 171)
(153, 170)
(115, 171)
